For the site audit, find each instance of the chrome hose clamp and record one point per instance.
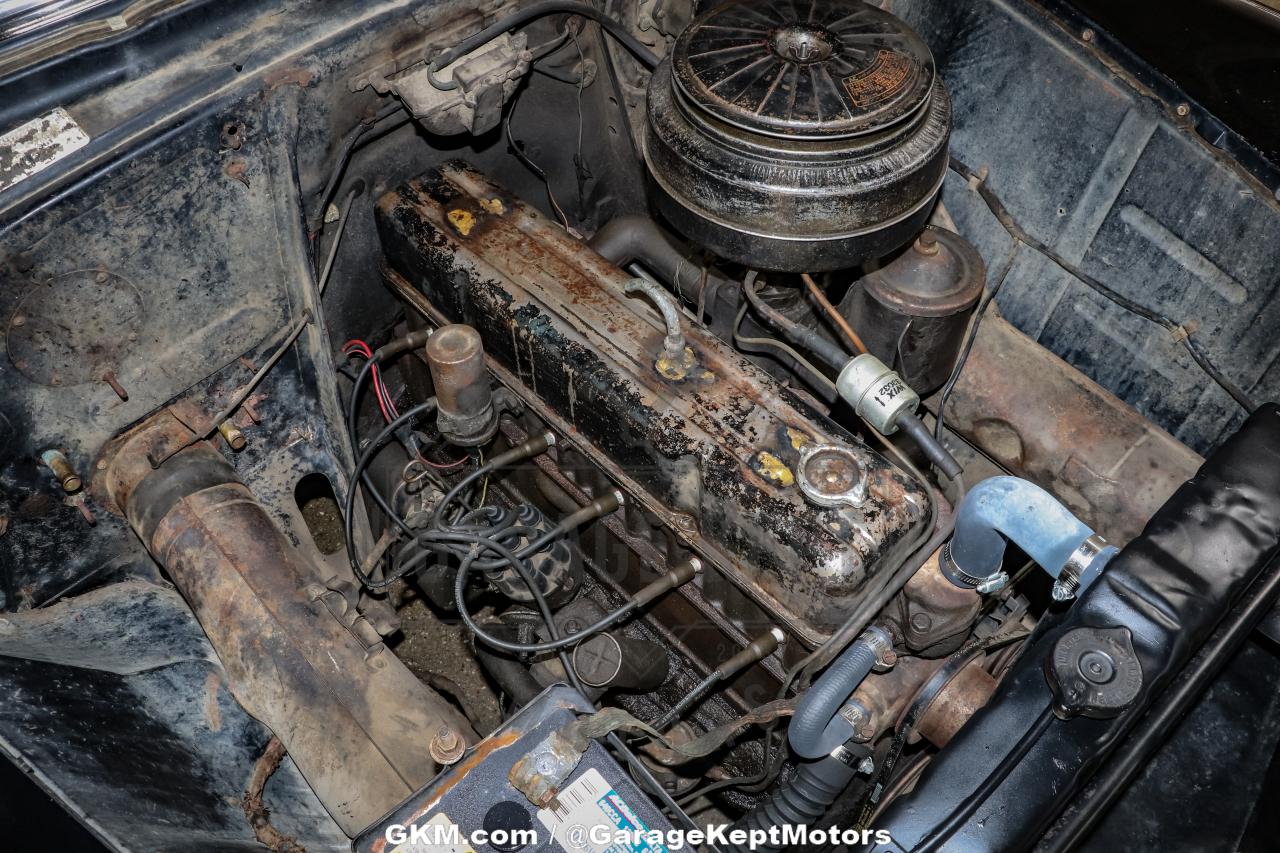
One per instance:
(1082, 566)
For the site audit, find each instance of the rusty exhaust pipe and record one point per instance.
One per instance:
(355, 720)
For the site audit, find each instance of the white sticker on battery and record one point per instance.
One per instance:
(438, 835)
(591, 817)
(38, 144)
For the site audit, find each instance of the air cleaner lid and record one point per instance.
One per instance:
(803, 68)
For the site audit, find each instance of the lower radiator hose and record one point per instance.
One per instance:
(802, 800)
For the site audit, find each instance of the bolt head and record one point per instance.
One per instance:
(446, 746)
(867, 766)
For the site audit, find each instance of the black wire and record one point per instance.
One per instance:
(638, 767)
(693, 697)
(345, 150)
(361, 476)
(968, 344)
(1016, 231)
(459, 600)
(974, 800)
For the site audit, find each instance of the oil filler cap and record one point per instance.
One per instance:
(1093, 672)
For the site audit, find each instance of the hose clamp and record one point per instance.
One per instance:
(1081, 567)
(953, 572)
(881, 644)
(850, 757)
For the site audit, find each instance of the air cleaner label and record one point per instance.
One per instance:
(36, 145)
(887, 75)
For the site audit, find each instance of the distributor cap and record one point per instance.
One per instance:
(812, 69)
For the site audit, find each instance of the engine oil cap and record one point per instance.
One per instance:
(819, 69)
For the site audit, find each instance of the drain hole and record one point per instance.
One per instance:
(319, 506)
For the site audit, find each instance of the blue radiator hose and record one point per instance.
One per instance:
(1009, 508)
(816, 728)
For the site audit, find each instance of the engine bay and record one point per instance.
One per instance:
(439, 417)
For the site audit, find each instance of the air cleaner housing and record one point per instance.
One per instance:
(803, 140)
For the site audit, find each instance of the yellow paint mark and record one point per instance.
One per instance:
(493, 205)
(462, 220)
(774, 469)
(798, 439)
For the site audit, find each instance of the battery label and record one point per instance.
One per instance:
(591, 817)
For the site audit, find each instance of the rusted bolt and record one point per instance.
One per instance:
(102, 465)
(58, 463)
(685, 522)
(110, 378)
(19, 320)
(1183, 110)
(447, 746)
(4, 524)
(83, 506)
(921, 622)
(231, 433)
(1087, 35)
(101, 277)
(927, 243)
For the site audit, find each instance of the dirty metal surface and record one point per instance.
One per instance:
(703, 625)
(127, 670)
(298, 657)
(1044, 420)
(712, 454)
(1127, 186)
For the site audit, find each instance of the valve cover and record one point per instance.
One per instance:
(712, 455)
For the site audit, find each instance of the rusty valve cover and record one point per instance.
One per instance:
(719, 446)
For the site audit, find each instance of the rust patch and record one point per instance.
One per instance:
(211, 711)
(288, 77)
(483, 750)
(235, 170)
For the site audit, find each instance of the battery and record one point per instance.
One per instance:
(473, 808)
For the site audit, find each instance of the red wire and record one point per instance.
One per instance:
(359, 347)
(385, 404)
